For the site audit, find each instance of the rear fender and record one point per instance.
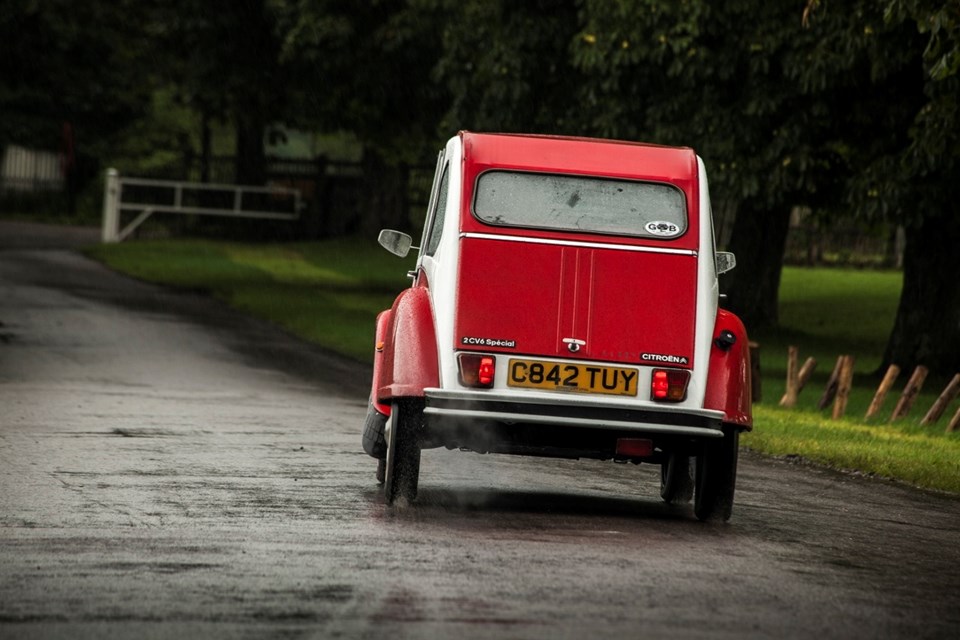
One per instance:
(728, 380)
(410, 361)
(380, 341)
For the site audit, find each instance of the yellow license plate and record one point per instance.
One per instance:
(567, 376)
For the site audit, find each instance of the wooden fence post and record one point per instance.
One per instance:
(830, 392)
(809, 366)
(949, 393)
(909, 393)
(789, 398)
(955, 422)
(843, 387)
(796, 380)
(888, 379)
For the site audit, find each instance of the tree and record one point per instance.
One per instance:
(904, 153)
(773, 107)
(507, 66)
(223, 59)
(926, 197)
(831, 111)
(69, 77)
(365, 68)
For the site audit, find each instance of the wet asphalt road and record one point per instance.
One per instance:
(171, 469)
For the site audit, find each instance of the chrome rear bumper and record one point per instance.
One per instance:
(449, 408)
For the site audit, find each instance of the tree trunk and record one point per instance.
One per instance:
(926, 330)
(251, 160)
(759, 238)
(206, 147)
(251, 170)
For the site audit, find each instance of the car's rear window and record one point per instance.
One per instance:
(580, 203)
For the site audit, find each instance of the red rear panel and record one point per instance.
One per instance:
(624, 305)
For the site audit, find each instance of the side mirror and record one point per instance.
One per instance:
(726, 261)
(396, 242)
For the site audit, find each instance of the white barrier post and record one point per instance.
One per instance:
(111, 209)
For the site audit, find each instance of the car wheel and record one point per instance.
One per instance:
(402, 431)
(676, 483)
(717, 478)
(374, 442)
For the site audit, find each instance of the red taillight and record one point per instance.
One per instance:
(669, 385)
(477, 370)
(487, 371)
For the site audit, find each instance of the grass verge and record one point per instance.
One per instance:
(904, 451)
(330, 292)
(325, 292)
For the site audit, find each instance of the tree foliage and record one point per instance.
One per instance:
(60, 64)
(756, 93)
(843, 108)
(365, 68)
(222, 59)
(506, 66)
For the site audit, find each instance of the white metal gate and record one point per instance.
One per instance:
(173, 195)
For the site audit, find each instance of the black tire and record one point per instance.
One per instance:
(402, 473)
(374, 441)
(676, 483)
(717, 478)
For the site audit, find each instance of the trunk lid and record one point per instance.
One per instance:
(617, 303)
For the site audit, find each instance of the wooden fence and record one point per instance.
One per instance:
(841, 380)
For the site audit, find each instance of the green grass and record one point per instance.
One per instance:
(920, 456)
(330, 292)
(826, 313)
(839, 310)
(325, 292)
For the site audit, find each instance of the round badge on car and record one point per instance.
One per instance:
(663, 229)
